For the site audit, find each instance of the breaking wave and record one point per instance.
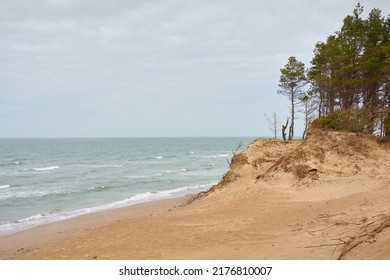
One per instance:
(46, 168)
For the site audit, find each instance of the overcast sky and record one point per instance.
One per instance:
(116, 68)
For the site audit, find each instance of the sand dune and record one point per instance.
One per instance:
(327, 197)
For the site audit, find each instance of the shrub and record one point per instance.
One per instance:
(353, 121)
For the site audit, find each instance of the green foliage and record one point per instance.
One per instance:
(349, 77)
(291, 84)
(358, 121)
(349, 68)
(292, 77)
(350, 73)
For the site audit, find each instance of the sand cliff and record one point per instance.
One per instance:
(327, 197)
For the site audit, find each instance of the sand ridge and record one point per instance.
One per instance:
(323, 198)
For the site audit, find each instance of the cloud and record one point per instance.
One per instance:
(180, 62)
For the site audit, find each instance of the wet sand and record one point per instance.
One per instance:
(18, 244)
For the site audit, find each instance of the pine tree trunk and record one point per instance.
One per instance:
(291, 130)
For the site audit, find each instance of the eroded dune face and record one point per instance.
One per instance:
(348, 171)
(324, 155)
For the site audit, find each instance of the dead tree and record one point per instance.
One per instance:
(284, 127)
(273, 124)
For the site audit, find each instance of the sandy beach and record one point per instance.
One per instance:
(324, 198)
(18, 244)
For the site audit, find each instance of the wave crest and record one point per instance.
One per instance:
(46, 168)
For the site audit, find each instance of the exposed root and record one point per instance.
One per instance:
(365, 237)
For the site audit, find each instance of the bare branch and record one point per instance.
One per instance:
(273, 124)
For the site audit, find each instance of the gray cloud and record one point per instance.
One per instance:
(153, 68)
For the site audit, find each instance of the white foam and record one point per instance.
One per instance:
(5, 186)
(150, 162)
(143, 197)
(107, 165)
(158, 157)
(220, 156)
(30, 192)
(176, 171)
(49, 217)
(144, 176)
(216, 156)
(29, 222)
(46, 168)
(96, 188)
(34, 217)
(138, 197)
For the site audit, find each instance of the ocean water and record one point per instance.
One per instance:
(47, 180)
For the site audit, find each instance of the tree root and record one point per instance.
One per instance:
(363, 237)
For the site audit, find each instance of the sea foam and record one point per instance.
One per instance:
(49, 217)
(46, 168)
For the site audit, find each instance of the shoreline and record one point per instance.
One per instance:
(108, 206)
(15, 245)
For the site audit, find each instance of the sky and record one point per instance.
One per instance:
(150, 68)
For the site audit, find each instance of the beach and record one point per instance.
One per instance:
(48, 180)
(323, 198)
(18, 244)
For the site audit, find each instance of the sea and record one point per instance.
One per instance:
(48, 180)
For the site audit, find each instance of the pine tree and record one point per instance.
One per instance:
(291, 84)
(350, 70)
(323, 75)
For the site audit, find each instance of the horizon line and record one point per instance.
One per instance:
(126, 137)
